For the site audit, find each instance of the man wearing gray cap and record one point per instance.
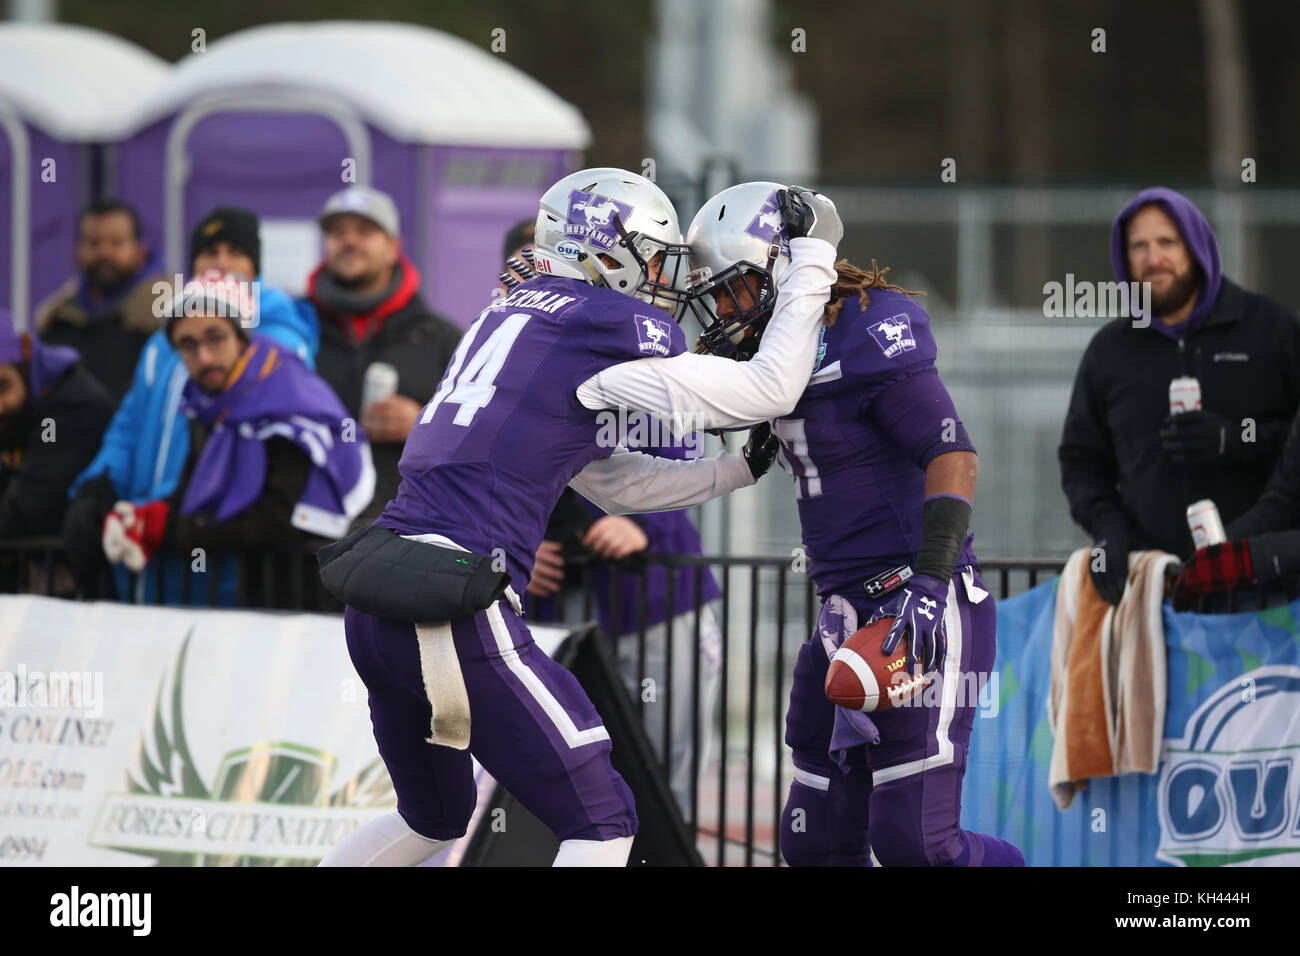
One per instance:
(366, 296)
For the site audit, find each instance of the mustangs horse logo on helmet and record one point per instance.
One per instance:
(591, 218)
(766, 224)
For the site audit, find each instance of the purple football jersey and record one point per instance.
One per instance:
(491, 453)
(859, 494)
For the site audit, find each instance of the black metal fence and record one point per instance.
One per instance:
(285, 579)
(708, 678)
(730, 751)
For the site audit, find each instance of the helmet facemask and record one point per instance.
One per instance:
(749, 309)
(638, 256)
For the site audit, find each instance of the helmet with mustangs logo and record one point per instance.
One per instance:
(613, 228)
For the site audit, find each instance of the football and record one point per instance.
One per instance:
(862, 677)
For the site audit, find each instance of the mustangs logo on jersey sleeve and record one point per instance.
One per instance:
(871, 346)
(654, 335)
(894, 335)
(591, 219)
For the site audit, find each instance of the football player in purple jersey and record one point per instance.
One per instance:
(884, 474)
(434, 632)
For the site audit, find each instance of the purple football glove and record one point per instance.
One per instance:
(920, 618)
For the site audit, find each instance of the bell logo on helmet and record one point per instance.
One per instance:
(591, 218)
(568, 249)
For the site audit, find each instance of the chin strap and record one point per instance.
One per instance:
(589, 267)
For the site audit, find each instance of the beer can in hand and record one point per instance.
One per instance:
(380, 382)
(1205, 524)
(1184, 395)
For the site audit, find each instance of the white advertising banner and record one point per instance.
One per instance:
(138, 736)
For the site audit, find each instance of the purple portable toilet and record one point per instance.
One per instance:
(279, 117)
(64, 90)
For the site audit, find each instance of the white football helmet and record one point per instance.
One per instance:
(614, 213)
(736, 233)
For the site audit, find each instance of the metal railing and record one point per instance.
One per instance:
(285, 579)
(724, 751)
(739, 766)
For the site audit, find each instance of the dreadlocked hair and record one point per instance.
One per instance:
(850, 279)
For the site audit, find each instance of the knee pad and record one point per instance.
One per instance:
(904, 846)
(902, 834)
(816, 832)
(997, 852)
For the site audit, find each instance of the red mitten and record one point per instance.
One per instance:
(1220, 567)
(132, 533)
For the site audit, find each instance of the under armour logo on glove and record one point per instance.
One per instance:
(920, 619)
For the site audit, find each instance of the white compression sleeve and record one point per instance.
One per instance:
(691, 391)
(629, 481)
(386, 841)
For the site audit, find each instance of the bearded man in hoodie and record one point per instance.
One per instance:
(366, 298)
(1129, 467)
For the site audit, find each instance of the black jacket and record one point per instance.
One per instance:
(1246, 355)
(1278, 508)
(416, 342)
(110, 344)
(1272, 526)
(37, 465)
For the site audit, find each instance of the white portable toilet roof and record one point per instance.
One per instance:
(415, 83)
(75, 83)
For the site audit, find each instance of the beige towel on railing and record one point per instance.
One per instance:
(1108, 686)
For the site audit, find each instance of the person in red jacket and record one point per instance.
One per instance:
(366, 297)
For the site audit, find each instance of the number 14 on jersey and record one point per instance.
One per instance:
(471, 387)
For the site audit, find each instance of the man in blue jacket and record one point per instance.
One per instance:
(144, 449)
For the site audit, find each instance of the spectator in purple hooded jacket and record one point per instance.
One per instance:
(1128, 466)
(52, 415)
(272, 453)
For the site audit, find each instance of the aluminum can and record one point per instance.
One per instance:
(1205, 524)
(380, 382)
(1184, 395)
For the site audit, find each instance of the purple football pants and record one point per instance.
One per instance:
(532, 727)
(901, 798)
